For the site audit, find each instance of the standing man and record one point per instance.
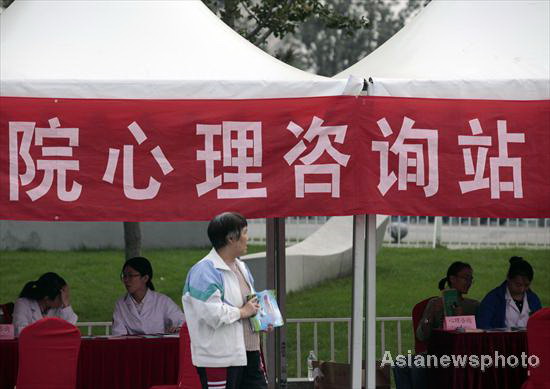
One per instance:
(224, 348)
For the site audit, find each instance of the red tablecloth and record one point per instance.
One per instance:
(125, 363)
(486, 343)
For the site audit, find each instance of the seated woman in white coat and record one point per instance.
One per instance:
(142, 310)
(46, 297)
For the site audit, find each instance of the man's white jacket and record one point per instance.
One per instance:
(211, 301)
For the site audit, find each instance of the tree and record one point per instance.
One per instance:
(322, 36)
(329, 51)
(132, 239)
(257, 21)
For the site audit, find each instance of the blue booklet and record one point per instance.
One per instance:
(268, 314)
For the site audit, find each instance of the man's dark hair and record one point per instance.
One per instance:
(453, 270)
(143, 267)
(224, 226)
(48, 285)
(520, 267)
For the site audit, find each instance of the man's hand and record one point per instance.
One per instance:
(172, 330)
(250, 308)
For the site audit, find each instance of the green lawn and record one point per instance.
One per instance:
(404, 277)
(93, 275)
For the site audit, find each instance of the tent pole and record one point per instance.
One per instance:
(270, 347)
(276, 279)
(280, 332)
(359, 229)
(370, 367)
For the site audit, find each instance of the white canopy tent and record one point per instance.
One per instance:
(162, 49)
(482, 49)
(137, 49)
(461, 49)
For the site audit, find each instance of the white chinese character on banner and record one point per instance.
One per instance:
(411, 156)
(53, 165)
(480, 180)
(324, 144)
(242, 161)
(130, 191)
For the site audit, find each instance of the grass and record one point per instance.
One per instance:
(404, 277)
(93, 275)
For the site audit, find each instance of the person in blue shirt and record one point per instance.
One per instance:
(511, 303)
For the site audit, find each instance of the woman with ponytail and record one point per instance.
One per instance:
(142, 310)
(511, 303)
(460, 277)
(46, 297)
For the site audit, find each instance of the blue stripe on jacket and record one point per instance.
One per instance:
(204, 279)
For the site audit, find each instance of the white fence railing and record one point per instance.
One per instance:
(296, 228)
(298, 336)
(420, 231)
(457, 232)
(88, 326)
(332, 346)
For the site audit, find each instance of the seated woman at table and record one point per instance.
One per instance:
(459, 277)
(46, 297)
(511, 303)
(142, 310)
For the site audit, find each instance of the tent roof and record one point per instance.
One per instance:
(140, 49)
(466, 49)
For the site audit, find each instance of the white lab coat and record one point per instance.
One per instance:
(513, 317)
(158, 314)
(27, 311)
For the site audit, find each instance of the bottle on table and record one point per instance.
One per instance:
(310, 358)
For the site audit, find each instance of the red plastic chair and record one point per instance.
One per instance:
(538, 343)
(48, 355)
(418, 310)
(188, 378)
(7, 311)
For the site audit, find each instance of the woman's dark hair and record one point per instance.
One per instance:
(225, 225)
(520, 267)
(48, 285)
(143, 267)
(453, 270)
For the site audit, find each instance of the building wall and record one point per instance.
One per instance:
(15, 235)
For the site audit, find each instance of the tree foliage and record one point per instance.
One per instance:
(322, 36)
(329, 51)
(257, 21)
(5, 3)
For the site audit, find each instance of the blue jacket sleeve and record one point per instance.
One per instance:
(486, 311)
(534, 301)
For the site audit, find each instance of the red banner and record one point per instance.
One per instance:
(457, 157)
(71, 159)
(168, 160)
